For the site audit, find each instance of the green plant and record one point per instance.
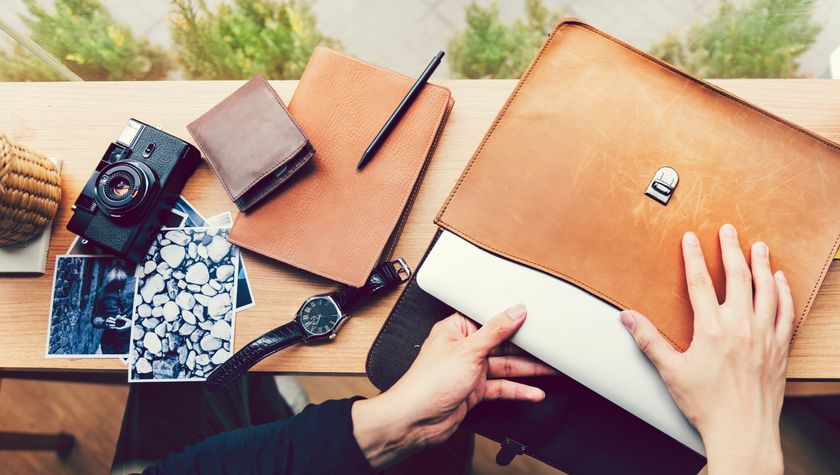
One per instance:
(18, 64)
(489, 48)
(84, 36)
(238, 41)
(762, 38)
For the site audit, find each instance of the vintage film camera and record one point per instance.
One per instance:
(135, 184)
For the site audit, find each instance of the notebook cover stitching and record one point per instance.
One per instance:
(417, 176)
(429, 152)
(379, 68)
(671, 69)
(416, 188)
(319, 271)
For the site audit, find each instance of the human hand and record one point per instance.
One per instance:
(121, 323)
(458, 366)
(118, 323)
(730, 383)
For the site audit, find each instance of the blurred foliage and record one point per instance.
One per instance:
(489, 48)
(758, 39)
(240, 40)
(84, 36)
(18, 64)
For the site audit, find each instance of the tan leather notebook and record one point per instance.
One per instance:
(558, 182)
(332, 220)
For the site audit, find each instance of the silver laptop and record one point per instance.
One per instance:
(567, 328)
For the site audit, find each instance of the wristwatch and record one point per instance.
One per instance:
(319, 318)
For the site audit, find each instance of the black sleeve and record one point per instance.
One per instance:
(318, 440)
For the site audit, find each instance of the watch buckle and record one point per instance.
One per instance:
(402, 269)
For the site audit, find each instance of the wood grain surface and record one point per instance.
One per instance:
(77, 121)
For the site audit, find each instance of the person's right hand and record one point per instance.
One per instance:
(730, 383)
(459, 365)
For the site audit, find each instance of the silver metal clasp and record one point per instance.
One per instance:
(402, 269)
(662, 187)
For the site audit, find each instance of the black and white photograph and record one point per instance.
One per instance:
(91, 308)
(193, 217)
(185, 309)
(222, 220)
(244, 298)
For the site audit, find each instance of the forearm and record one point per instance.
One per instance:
(382, 433)
(318, 440)
(745, 450)
(230, 452)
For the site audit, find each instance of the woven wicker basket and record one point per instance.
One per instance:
(29, 192)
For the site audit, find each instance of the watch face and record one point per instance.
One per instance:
(319, 316)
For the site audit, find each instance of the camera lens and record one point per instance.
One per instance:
(123, 187)
(120, 186)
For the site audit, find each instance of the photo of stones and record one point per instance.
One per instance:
(244, 299)
(91, 307)
(184, 314)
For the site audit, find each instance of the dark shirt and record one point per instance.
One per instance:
(319, 440)
(109, 303)
(112, 341)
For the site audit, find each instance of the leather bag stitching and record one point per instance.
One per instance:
(672, 69)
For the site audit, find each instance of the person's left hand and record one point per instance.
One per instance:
(458, 366)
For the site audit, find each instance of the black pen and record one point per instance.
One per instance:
(404, 105)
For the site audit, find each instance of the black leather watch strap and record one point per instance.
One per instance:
(281, 337)
(384, 276)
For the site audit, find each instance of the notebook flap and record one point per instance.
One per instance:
(559, 181)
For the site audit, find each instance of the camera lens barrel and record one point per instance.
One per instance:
(124, 187)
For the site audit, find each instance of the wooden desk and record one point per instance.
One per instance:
(76, 121)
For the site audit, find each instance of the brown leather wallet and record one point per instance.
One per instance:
(585, 134)
(252, 142)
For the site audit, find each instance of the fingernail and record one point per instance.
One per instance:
(761, 248)
(728, 230)
(628, 319)
(691, 238)
(781, 276)
(517, 312)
